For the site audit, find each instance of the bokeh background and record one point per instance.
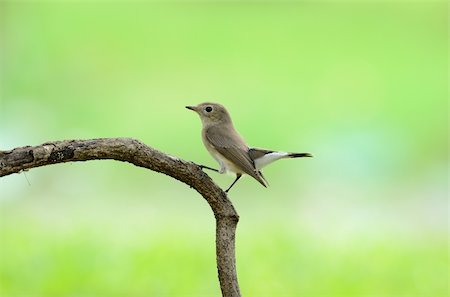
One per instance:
(361, 85)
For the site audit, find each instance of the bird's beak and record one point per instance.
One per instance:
(191, 108)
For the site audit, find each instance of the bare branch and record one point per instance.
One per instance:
(137, 153)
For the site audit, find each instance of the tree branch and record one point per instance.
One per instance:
(137, 153)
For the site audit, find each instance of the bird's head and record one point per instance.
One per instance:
(211, 113)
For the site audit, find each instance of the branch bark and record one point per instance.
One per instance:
(137, 153)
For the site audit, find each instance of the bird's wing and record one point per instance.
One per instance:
(232, 147)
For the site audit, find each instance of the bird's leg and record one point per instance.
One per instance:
(206, 167)
(238, 176)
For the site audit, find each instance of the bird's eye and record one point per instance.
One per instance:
(208, 109)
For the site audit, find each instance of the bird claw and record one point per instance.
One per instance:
(206, 167)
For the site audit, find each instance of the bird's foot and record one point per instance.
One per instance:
(206, 167)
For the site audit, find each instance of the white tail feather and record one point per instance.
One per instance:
(269, 158)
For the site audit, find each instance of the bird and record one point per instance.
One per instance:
(228, 147)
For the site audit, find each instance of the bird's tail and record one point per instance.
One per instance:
(262, 158)
(299, 155)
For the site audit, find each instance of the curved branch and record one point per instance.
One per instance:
(137, 153)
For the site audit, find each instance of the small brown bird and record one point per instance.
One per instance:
(229, 149)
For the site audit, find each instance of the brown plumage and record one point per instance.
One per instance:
(229, 149)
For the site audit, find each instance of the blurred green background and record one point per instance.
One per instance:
(361, 85)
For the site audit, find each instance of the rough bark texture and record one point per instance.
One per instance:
(139, 154)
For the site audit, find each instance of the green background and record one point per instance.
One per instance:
(361, 85)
